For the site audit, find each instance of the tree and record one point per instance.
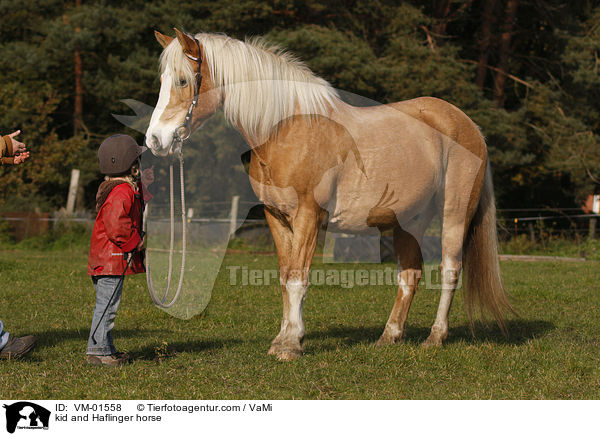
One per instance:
(488, 19)
(529, 78)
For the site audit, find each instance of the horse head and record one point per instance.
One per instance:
(187, 96)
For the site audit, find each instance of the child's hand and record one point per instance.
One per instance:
(142, 245)
(148, 176)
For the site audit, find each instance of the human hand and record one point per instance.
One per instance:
(142, 245)
(20, 158)
(148, 176)
(17, 146)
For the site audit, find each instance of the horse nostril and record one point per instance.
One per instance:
(154, 142)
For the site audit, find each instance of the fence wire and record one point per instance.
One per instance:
(536, 223)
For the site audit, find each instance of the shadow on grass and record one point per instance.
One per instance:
(49, 338)
(519, 332)
(347, 335)
(168, 350)
(160, 350)
(328, 338)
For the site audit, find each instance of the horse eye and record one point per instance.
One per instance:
(182, 83)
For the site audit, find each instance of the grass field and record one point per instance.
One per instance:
(553, 351)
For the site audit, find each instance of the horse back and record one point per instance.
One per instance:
(446, 119)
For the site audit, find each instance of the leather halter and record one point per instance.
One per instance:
(186, 127)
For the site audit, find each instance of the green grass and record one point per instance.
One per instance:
(552, 351)
(553, 246)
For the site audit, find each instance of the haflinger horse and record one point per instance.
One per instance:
(317, 160)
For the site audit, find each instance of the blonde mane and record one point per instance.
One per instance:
(261, 84)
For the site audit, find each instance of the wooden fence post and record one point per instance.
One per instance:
(233, 215)
(531, 232)
(72, 191)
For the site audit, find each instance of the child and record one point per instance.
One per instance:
(117, 243)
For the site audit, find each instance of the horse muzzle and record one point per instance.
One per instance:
(155, 146)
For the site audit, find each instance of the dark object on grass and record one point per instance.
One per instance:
(18, 347)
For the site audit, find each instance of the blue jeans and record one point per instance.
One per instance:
(3, 336)
(105, 286)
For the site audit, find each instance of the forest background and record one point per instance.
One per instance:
(526, 71)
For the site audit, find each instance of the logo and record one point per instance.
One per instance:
(26, 415)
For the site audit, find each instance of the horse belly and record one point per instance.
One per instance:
(391, 191)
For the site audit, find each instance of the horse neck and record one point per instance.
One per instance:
(339, 108)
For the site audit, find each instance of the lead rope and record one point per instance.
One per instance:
(178, 139)
(155, 299)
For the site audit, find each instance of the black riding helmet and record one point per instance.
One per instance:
(117, 153)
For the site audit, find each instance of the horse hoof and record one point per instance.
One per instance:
(433, 341)
(289, 354)
(387, 340)
(284, 353)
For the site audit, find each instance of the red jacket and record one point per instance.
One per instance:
(117, 230)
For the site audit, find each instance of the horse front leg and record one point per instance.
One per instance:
(287, 345)
(282, 235)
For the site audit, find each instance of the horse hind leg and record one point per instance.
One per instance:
(450, 268)
(410, 264)
(462, 185)
(458, 194)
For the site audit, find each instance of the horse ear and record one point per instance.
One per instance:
(188, 43)
(163, 40)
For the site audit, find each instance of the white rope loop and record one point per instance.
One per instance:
(161, 302)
